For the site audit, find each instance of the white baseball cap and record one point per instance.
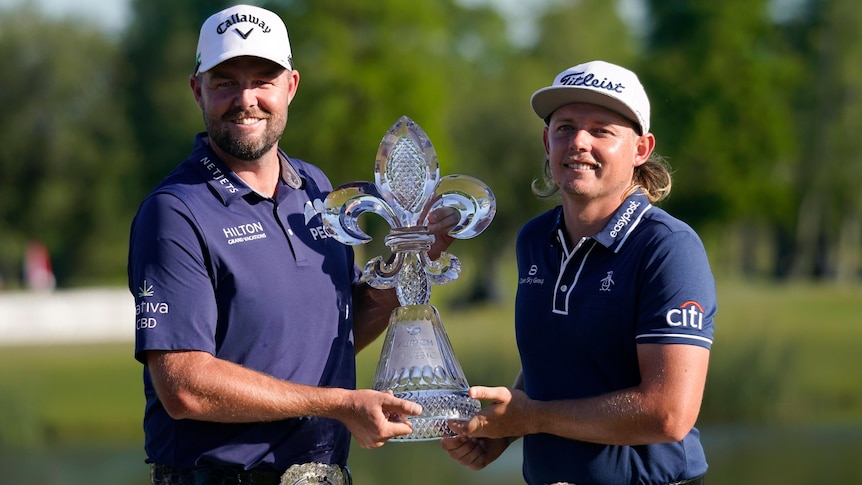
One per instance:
(600, 83)
(242, 30)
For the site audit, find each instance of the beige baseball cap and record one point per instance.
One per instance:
(600, 83)
(243, 30)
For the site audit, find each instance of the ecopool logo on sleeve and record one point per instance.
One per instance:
(689, 314)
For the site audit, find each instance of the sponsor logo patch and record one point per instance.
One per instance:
(607, 282)
(241, 233)
(531, 279)
(689, 314)
(146, 311)
(625, 219)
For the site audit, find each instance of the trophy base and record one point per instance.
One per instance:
(438, 407)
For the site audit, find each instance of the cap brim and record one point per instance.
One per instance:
(547, 100)
(204, 67)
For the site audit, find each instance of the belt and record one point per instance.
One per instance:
(309, 473)
(299, 474)
(693, 481)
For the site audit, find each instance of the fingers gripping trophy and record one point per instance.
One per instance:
(417, 362)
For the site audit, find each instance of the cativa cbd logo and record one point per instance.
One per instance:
(146, 311)
(689, 314)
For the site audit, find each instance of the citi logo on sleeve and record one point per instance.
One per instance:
(689, 314)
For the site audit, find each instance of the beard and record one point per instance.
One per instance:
(245, 148)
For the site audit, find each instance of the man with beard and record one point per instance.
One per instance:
(248, 316)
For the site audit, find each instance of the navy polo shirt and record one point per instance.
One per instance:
(582, 307)
(216, 267)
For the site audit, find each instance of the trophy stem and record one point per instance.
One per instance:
(417, 363)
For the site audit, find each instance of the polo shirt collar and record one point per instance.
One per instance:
(289, 175)
(624, 221)
(227, 184)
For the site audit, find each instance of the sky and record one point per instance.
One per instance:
(113, 14)
(521, 14)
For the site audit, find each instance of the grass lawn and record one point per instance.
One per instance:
(786, 354)
(783, 354)
(62, 393)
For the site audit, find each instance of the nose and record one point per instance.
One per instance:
(581, 141)
(247, 96)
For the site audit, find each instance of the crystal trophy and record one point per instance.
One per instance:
(417, 362)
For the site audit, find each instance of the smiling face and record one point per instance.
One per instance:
(592, 152)
(244, 102)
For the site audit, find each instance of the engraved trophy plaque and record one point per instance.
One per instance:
(417, 362)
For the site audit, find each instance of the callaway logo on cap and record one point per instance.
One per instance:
(243, 30)
(600, 83)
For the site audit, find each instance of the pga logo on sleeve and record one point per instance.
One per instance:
(689, 314)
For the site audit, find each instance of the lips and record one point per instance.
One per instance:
(581, 165)
(248, 118)
(246, 121)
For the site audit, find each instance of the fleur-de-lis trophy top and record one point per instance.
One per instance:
(417, 362)
(407, 187)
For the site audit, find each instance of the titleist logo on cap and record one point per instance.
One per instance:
(590, 80)
(240, 19)
(600, 83)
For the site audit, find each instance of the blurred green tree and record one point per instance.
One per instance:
(363, 65)
(159, 48)
(723, 115)
(756, 114)
(492, 124)
(65, 148)
(827, 240)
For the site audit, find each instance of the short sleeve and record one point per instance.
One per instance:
(175, 306)
(677, 303)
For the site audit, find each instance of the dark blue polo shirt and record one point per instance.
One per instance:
(214, 266)
(582, 307)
